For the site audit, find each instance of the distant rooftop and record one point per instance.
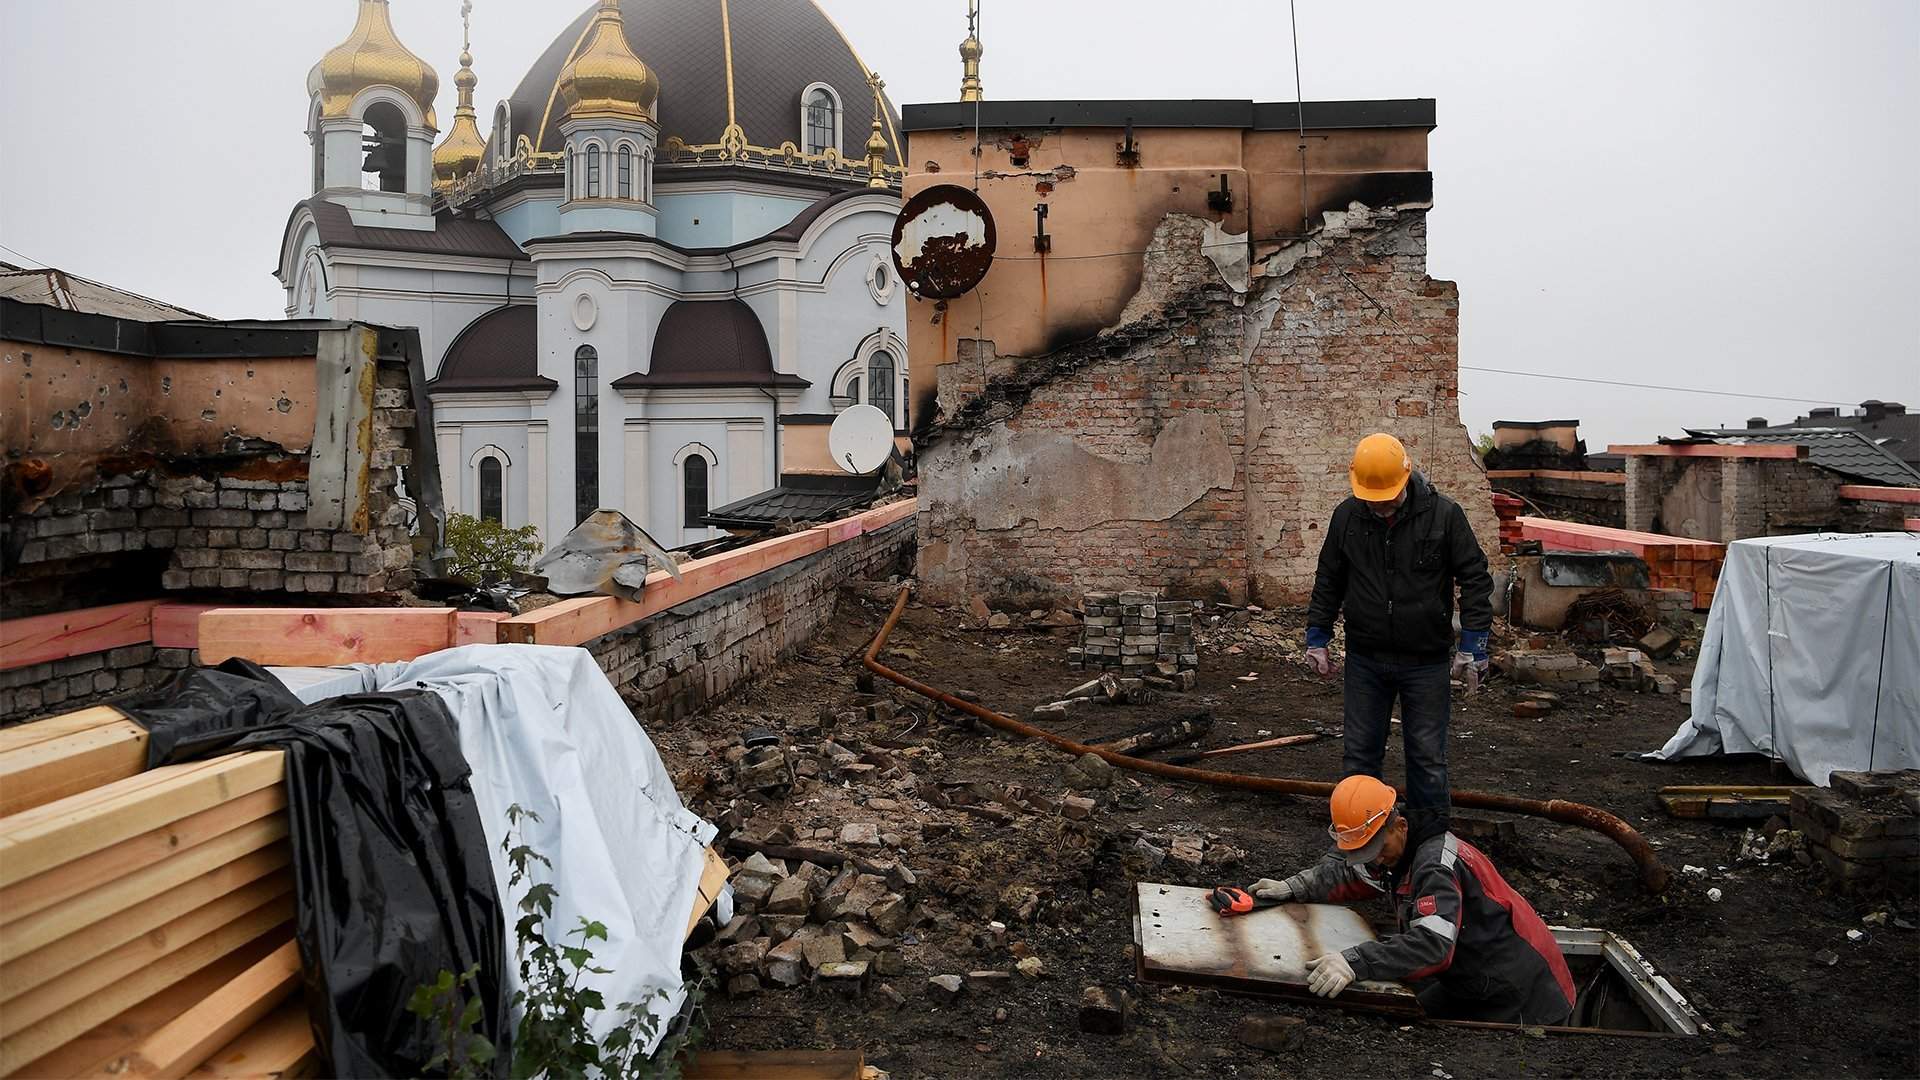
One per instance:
(1841, 450)
(52, 287)
(1172, 113)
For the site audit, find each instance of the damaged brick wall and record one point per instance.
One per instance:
(1199, 446)
(679, 661)
(64, 685)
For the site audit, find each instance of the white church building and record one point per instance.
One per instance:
(654, 279)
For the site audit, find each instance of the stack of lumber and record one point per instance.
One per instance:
(1673, 562)
(145, 916)
(1507, 509)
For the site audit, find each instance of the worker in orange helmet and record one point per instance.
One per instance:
(1485, 953)
(1392, 557)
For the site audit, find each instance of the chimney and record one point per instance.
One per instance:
(1754, 423)
(1828, 413)
(1872, 410)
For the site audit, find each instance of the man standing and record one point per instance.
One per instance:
(1391, 559)
(1486, 951)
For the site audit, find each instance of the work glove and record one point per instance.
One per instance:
(1470, 661)
(1329, 975)
(1279, 892)
(1321, 662)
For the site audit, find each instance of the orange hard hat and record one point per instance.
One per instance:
(1380, 468)
(1361, 807)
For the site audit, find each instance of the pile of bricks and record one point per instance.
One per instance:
(1673, 562)
(1507, 509)
(1135, 632)
(1864, 831)
(1631, 670)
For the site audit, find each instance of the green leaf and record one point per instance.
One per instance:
(591, 999)
(594, 930)
(578, 957)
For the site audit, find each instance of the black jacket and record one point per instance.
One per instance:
(1396, 582)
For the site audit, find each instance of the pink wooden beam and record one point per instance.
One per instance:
(40, 638)
(1869, 493)
(1780, 451)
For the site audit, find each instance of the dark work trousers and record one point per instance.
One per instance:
(1425, 697)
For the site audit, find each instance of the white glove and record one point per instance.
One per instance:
(1321, 662)
(1468, 670)
(1268, 889)
(1329, 975)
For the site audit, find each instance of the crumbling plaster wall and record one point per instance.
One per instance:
(1199, 446)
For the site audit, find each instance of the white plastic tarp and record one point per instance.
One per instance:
(1811, 655)
(543, 728)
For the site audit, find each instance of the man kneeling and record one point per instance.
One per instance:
(1485, 952)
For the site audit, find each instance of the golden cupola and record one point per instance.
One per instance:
(605, 78)
(459, 154)
(372, 56)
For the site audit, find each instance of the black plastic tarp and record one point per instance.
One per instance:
(393, 879)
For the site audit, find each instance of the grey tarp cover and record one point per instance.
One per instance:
(542, 727)
(1811, 655)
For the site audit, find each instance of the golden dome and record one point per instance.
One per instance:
(458, 155)
(372, 56)
(604, 78)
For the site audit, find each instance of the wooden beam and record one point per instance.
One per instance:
(53, 727)
(54, 768)
(36, 640)
(97, 973)
(1575, 536)
(774, 1065)
(177, 626)
(1872, 493)
(1770, 451)
(478, 627)
(43, 928)
(178, 1048)
(280, 1046)
(713, 877)
(1576, 475)
(1727, 801)
(140, 983)
(128, 857)
(79, 825)
(322, 637)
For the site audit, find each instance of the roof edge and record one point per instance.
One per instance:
(1169, 113)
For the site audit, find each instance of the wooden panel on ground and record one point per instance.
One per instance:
(1728, 801)
(79, 825)
(124, 859)
(279, 1046)
(218, 1019)
(322, 637)
(713, 877)
(775, 1065)
(24, 735)
(1179, 939)
(64, 765)
(40, 638)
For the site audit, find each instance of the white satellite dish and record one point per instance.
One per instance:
(861, 439)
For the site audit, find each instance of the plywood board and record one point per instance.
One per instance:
(1179, 939)
(36, 640)
(322, 637)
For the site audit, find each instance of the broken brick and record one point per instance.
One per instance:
(1103, 1011)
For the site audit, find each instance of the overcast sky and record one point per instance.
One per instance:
(1714, 195)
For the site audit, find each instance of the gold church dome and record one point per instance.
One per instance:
(458, 155)
(372, 56)
(605, 78)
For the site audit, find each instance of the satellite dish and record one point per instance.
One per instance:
(943, 242)
(861, 439)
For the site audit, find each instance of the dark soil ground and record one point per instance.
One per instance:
(1745, 962)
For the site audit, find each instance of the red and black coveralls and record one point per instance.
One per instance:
(1489, 956)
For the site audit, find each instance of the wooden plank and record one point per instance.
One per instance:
(128, 857)
(43, 928)
(98, 1050)
(478, 627)
(1727, 801)
(1578, 475)
(279, 1046)
(323, 637)
(1875, 493)
(180, 1046)
(774, 1065)
(61, 831)
(36, 640)
(274, 892)
(140, 983)
(23, 735)
(116, 928)
(1781, 451)
(177, 626)
(36, 775)
(713, 877)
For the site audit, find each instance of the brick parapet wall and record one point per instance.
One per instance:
(1199, 448)
(1585, 501)
(78, 681)
(683, 659)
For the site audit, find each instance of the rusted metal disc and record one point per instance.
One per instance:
(943, 242)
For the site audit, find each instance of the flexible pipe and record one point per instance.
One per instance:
(1652, 873)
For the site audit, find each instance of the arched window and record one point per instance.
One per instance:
(502, 129)
(646, 175)
(383, 136)
(823, 126)
(880, 383)
(693, 490)
(625, 190)
(586, 432)
(594, 190)
(493, 490)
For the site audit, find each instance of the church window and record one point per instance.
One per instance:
(502, 146)
(694, 489)
(626, 190)
(880, 383)
(492, 489)
(586, 432)
(593, 173)
(823, 126)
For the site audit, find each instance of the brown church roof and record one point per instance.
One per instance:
(497, 351)
(709, 343)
